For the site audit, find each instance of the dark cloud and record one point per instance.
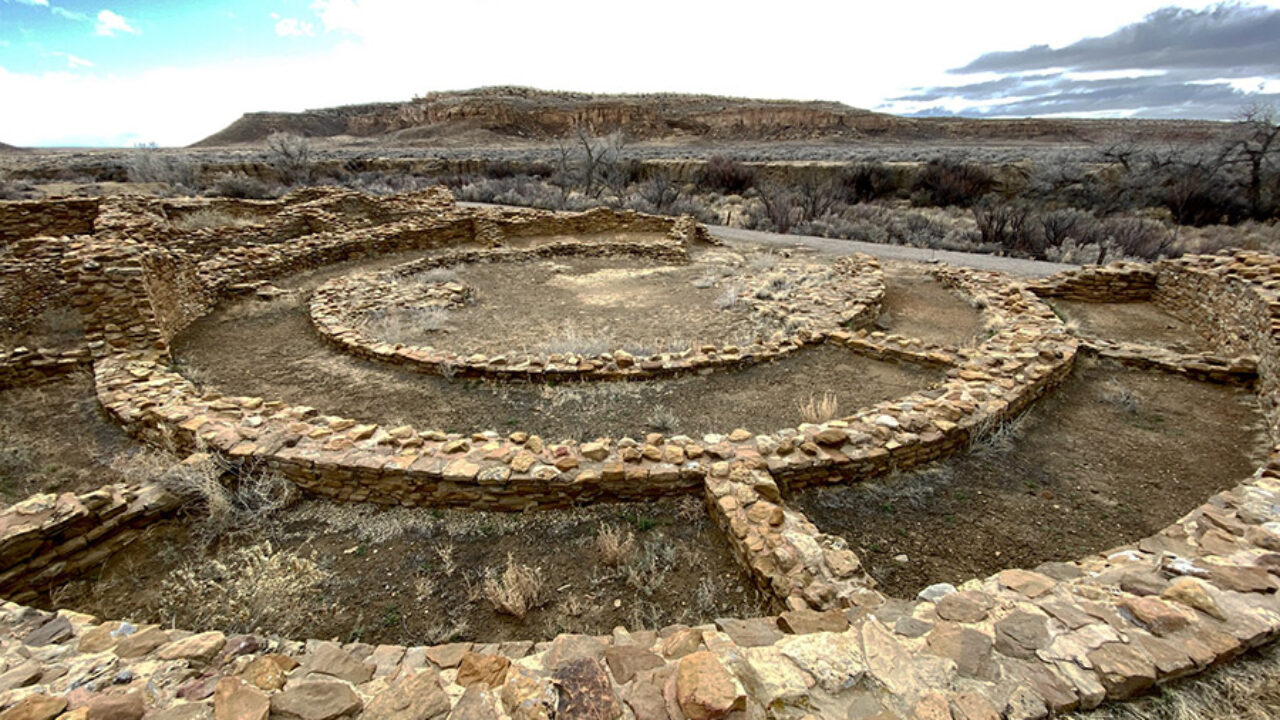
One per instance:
(1178, 62)
(1220, 41)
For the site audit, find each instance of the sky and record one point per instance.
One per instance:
(125, 72)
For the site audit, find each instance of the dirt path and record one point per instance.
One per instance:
(832, 246)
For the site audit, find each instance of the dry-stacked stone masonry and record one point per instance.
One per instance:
(1019, 644)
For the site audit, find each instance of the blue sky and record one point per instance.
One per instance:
(120, 72)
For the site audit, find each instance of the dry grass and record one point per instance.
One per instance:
(208, 218)
(436, 276)
(730, 298)
(231, 502)
(819, 410)
(616, 545)
(408, 325)
(256, 587)
(1113, 393)
(516, 591)
(1243, 689)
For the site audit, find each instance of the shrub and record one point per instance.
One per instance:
(865, 182)
(1137, 237)
(819, 410)
(945, 181)
(292, 157)
(256, 587)
(726, 176)
(1009, 225)
(241, 186)
(150, 165)
(209, 218)
(230, 503)
(516, 591)
(615, 545)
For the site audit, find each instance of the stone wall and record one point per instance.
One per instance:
(23, 219)
(23, 366)
(31, 281)
(1117, 282)
(49, 538)
(1018, 644)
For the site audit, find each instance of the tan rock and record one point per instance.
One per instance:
(234, 699)
(705, 689)
(416, 696)
(202, 647)
(35, 707)
(322, 700)
(475, 668)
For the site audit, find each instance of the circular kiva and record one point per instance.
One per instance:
(1019, 643)
(846, 295)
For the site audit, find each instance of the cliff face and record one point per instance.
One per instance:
(534, 115)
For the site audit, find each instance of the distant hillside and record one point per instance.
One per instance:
(492, 116)
(5, 148)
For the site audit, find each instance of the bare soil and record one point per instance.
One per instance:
(55, 437)
(1136, 322)
(270, 349)
(586, 306)
(416, 576)
(916, 305)
(1112, 456)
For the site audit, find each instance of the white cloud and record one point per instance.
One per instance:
(68, 14)
(40, 3)
(73, 61)
(857, 53)
(293, 27)
(110, 23)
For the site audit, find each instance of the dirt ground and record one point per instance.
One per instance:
(916, 305)
(1137, 322)
(56, 438)
(270, 349)
(588, 306)
(413, 576)
(1112, 456)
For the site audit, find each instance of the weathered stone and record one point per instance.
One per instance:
(1159, 617)
(122, 706)
(412, 696)
(968, 648)
(56, 630)
(141, 642)
(585, 691)
(527, 694)
(1021, 634)
(752, 632)
(489, 670)
(264, 673)
(627, 660)
(569, 647)
(1194, 593)
(835, 660)
(1124, 672)
(330, 659)
(705, 689)
(447, 656)
(963, 607)
(316, 700)
(24, 674)
(35, 707)
(972, 706)
(184, 711)
(1031, 584)
(235, 699)
(475, 704)
(804, 621)
(202, 647)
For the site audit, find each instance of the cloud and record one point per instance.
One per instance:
(73, 61)
(110, 23)
(39, 3)
(1174, 63)
(293, 27)
(68, 14)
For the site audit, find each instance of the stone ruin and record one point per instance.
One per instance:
(1023, 643)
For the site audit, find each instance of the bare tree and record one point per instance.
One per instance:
(292, 157)
(1258, 142)
(591, 163)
